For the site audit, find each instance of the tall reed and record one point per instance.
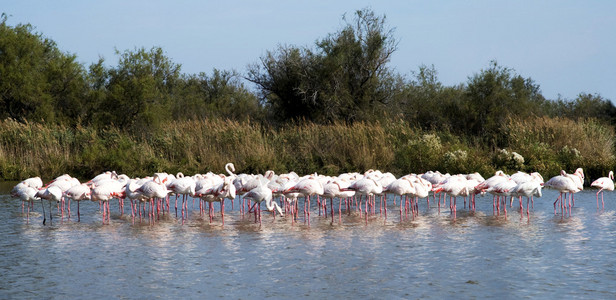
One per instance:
(547, 145)
(552, 144)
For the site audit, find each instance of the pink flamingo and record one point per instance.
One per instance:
(564, 184)
(104, 192)
(219, 193)
(523, 177)
(154, 189)
(527, 189)
(482, 187)
(26, 194)
(334, 189)
(502, 189)
(308, 187)
(290, 197)
(435, 178)
(130, 192)
(78, 193)
(422, 188)
(402, 186)
(366, 186)
(64, 182)
(33, 182)
(603, 183)
(260, 194)
(185, 186)
(52, 193)
(454, 186)
(578, 179)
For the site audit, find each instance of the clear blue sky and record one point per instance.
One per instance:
(567, 47)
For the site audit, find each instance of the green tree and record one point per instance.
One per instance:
(287, 83)
(139, 90)
(37, 81)
(345, 78)
(221, 95)
(426, 103)
(493, 96)
(592, 106)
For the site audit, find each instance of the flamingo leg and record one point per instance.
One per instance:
(43, 205)
(602, 204)
(331, 204)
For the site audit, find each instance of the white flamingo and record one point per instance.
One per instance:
(454, 186)
(225, 190)
(78, 193)
(402, 186)
(578, 179)
(103, 192)
(154, 189)
(527, 189)
(564, 184)
(307, 187)
(26, 194)
(51, 193)
(185, 186)
(258, 195)
(33, 182)
(603, 183)
(335, 189)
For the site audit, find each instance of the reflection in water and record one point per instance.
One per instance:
(476, 255)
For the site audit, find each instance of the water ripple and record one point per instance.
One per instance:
(476, 255)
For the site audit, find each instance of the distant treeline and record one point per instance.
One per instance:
(341, 87)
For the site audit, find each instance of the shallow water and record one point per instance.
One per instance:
(477, 255)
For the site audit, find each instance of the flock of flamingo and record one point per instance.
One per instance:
(358, 192)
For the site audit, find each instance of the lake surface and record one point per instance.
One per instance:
(477, 255)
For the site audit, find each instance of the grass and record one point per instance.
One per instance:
(547, 145)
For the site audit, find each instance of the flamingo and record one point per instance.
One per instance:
(51, 193)
(230, 168)
(78, 193)
(499, 176)
(260, 194)
(154, 189)
(185, 186)
(219, 193)
(308, 187)
(26, 194)
(290, 197)
(564, 184)
(33, 182)
(435, 178)
(523, 177)
(527, 189)
(401, 187)
(502, 189)
(454, 186)
(103, 176)
(104, 191)
(368, 186)
(130, 192)
(422, 188)
(64, 182)
(471, 183)
(578, 179)
(334, 189)
(475, 176)
(604, 183)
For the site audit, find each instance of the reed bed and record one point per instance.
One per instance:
(546, 145)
